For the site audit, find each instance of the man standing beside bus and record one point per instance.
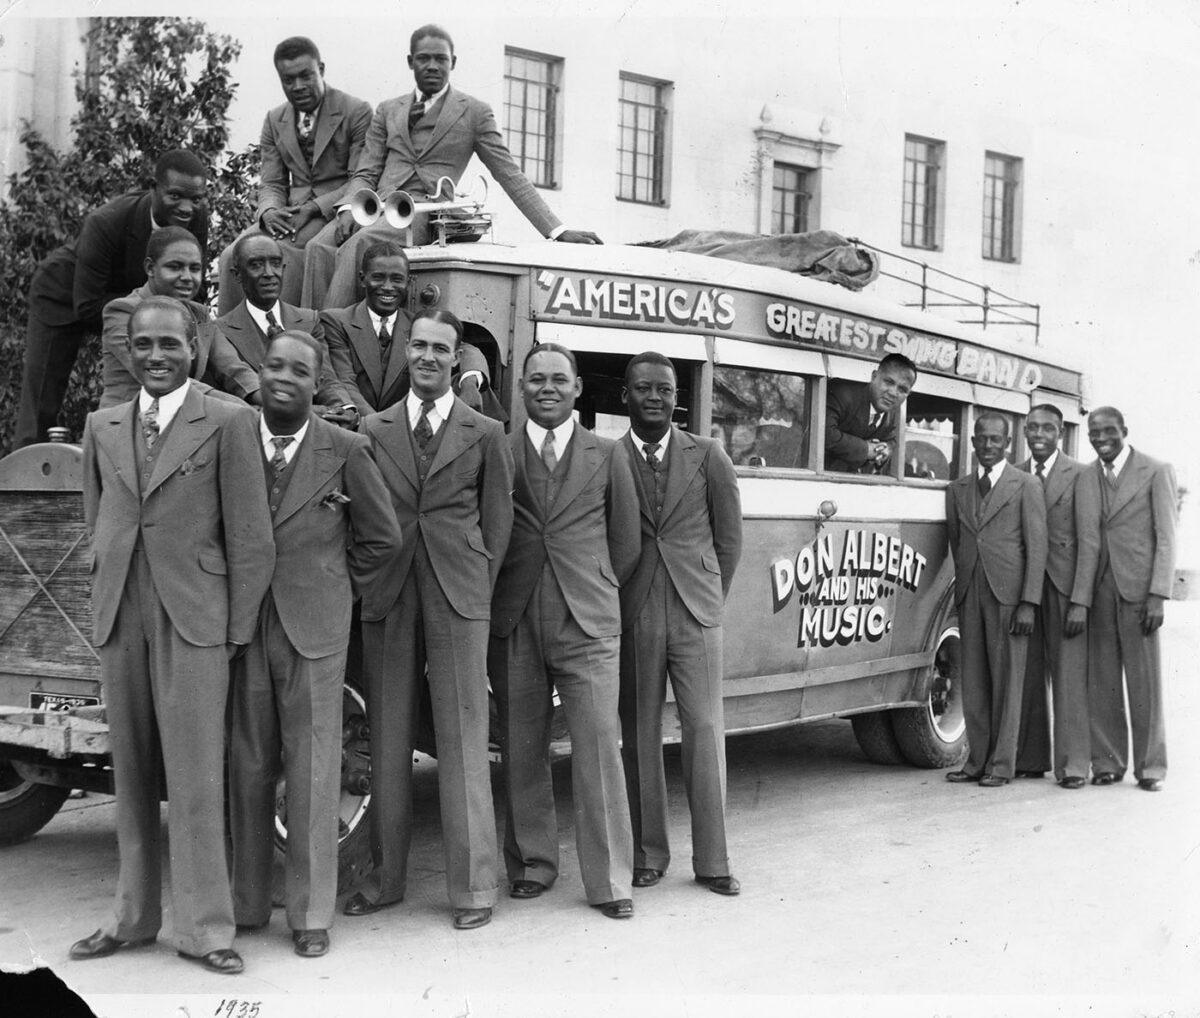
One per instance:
(671, 609)
(1137, 503)
(860, 420)
(996, 526)
(1058, 650)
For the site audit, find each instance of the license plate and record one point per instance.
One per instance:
(61, 701)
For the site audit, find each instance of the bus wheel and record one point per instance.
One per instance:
(25, 806)
(876, 738)
(935, 735)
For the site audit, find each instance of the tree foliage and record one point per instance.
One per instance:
(149, 85)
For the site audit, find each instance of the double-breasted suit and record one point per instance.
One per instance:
(556, 624)
(335, 534)
(453, 502)
(848, 430)
(671, 612)
(1073, 544)
(182, 539)
(1136, 561)
(440, 144)
(999, 546)
(295, 171)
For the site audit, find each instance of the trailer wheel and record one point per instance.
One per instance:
(935, 735)
(25, 806)
(876, 738)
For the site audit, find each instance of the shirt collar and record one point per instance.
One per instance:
(441, 406)
(996, 471)
(1048, 466)
(266, 434)
(433, 98)
(168, 405)
(562, 434)
(1121, 459)
(377, 319)
(662, 443)
(259, 316)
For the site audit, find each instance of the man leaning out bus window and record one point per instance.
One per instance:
(860, 419)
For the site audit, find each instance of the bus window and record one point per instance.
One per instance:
(761, 417)
(600, 408)
(931, 437)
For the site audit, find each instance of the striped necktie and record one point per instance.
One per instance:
(279, 460)
(150, 430)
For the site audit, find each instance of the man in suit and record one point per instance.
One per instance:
(861, 420)
(415, 140)
(1058, 647)
(182, 538)
(335, 533)
(174, 266)
(1137, 503)
(450, 474)
(556, 624)
(671, 608)
(309, 146)
(996, 527)
(366, 341)
(73, 283)
(258, 262)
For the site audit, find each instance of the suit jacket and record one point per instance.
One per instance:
(465, 127)
(1137, 532)
(699, 535)
(251, 346)
(590, 536)
(848, 426)
(355, 356)
(287, 178)
(1007, 541)
(1072, 530)
(202, 518)
(463, 511)
(326, 550)
(215, 357)
(106, 261)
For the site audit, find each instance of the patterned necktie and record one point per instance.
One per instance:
(1040, 470)
(150, 423)
(423, 432)
(385, 342)
(417, 111)
(549, 457)
(876, 420)
(985, 482)
(1110, 475)
(651, 449)
(273, 327)
(304, 125)
(279, 460)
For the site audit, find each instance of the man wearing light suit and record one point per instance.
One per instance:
(1137, 503)
(182, 535)
(450, 474)
(1058, 649)
(861, 420)
(414, 141)
(335, 533)
(671, 609)
(996, 527)
(309, 147)
(556, 624)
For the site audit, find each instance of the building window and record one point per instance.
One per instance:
(1001, 195)
(923, 160)
(642, 155)
(791, 192)
(531, 83)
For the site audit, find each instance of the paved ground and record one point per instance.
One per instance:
(860, 883)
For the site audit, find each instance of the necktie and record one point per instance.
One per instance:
(1110, 475)
(305, 125)
(273, 327)
(279, 461)
(651, 449)
(385, 342)
(985, 482)
(549, 457)
(423, 432)
(417, 111)
(876, 420)
(1040, 470)
(150, 423)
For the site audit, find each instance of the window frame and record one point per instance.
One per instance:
(1004, 247)
(550, 163)
(932, 193)
(659, 131)
(806, 189)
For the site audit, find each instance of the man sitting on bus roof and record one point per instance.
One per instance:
(860, 420)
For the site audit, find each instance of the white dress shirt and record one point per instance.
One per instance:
(289, 452)
(168, 405)
(439, 413)
(259, 316)
(562, 435)
(662, 444)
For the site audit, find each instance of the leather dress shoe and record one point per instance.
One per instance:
(225, 961)
(959, 776)
(1031, 774)
(359, 905)
(992, 781)
(471, 918)
(646, 877)
(1105, 778)
(1150, 784)
(526, 889)
(310, 943)
(101, 945)
(1074, 781)
(622, 908)
(721, 885)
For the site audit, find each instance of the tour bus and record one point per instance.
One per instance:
(842, 605)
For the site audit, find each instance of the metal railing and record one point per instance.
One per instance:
(993, 306)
